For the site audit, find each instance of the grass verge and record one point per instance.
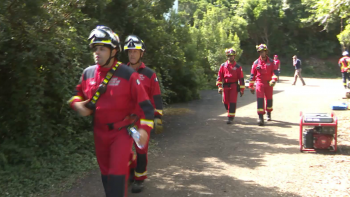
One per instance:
(54, 177)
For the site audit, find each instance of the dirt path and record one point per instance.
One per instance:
(202, 156)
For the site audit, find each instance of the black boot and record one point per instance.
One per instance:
(104, 182)
(261, 120)
(268, 116)
(137, 186)
(116, 185)
(131, 175)
(230, 120)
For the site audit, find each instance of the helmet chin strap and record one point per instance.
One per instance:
(109, 59)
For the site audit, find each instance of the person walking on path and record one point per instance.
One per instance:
(297, 66)
(110, 91)
(344, 64)
(230, 81)
(277, 67)
(135, 48)
(263, 72)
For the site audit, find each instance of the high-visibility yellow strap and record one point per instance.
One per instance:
(136, 47)
(147, 122)
(260, 109)
(105, 82)
(218, 82)
(159, 111)
(268, 107)
(103, 41)
(231, 114)
(251, 81)
(73, 98)
(344, 84)
(242, 86)
(140, 174)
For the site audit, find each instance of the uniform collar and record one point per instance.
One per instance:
(230, 64)
(267, 59)
(105, 69)
(141, 66)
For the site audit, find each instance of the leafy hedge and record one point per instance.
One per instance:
(43, 50)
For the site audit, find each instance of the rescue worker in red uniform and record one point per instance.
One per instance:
(109, 91)
(277, 67)
(230, 81)
(344, 64)
(263, 72)
(135, 49)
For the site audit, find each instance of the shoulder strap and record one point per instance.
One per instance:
(345, 61)
(102, 87)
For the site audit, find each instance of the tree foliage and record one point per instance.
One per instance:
(43, 50)
(329, 13)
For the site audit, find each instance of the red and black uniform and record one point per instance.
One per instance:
(113, 145)
(263, 72)
(228, 77)
(150, 83)
(277, 65)
(344, 64)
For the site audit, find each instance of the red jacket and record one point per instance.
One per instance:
(262, 71)
(344, 63)
(150, 82)
(124, 92)
(230, 73)
(277, 64)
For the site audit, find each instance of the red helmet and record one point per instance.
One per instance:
(261, 47)
(230, 51)
(276, 56)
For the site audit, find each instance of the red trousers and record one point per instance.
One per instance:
(112, 151)
(264, 91)
(230, 99)
(138, 164)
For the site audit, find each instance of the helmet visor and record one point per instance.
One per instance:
(133, 42)
(133, 39)
(97, 34)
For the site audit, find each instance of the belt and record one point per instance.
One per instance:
(229, 84)
(129, 120)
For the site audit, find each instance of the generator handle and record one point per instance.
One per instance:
(300, 132)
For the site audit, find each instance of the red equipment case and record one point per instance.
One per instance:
(323, 122)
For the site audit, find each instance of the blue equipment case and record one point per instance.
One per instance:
(340, 106)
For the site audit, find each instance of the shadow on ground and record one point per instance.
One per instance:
(203, 156)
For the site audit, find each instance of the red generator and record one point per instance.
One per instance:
(318, 131)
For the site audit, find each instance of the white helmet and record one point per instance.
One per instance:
(345, 53)
(134, 42)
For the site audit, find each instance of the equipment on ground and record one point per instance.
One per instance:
(340, 106)
(318, 131)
